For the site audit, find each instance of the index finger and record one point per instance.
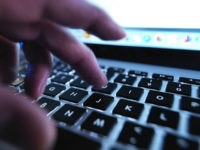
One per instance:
(82, 14)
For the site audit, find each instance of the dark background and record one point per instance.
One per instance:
(189, 59)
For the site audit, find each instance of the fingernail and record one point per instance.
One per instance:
(102, 82)
(121, 33)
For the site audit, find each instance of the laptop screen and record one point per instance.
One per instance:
(171, 24)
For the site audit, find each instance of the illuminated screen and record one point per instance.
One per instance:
(153, 13)
(173, 24)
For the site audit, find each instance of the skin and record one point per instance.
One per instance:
(39, 24)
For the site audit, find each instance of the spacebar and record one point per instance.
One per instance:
(68, 140)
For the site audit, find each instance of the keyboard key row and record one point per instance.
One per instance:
(131, 133)
(155, 75)
(150, 83)
(102, 124)
(154, 97)
(189, 80)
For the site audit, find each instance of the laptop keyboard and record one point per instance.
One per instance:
(136, 110)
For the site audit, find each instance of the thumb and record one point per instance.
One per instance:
(23, 123)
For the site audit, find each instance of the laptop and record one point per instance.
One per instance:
(152, 100)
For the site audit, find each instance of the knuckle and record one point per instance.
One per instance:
(23, 11)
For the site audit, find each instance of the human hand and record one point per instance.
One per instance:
(39, 24)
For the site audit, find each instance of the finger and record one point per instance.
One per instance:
(39, 68)
(80, 13)
(67, 48)
(8, 60)
(20, 32)
(23, 124)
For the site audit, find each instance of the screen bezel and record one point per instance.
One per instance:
(177, 58)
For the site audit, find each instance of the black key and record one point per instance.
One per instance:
(173, 142)
(58, 65)
(67, 139)
(102, 67)
(125, 79)
(150, 83)
(130, 92)
(99, 101)
(128, 109)
(108, 89)
(75, 73)
(160, 98)
(14, 90)
(189, 80)
(137, 73)
(179, 88)
(198, 92)
(53, 73)
(136, 135)
(73, 95)
(109, 74)
(62, 78)
(19, 80)
(22, 86)
(66, 69)
(80, 83)
(99, 123)
(23, 70)
(190, 104)
(194, 124)
(23, 61)
(163, 77)
(69, 114)
(163, 117)
(53, 89)
(115, 70)
(48, 104)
